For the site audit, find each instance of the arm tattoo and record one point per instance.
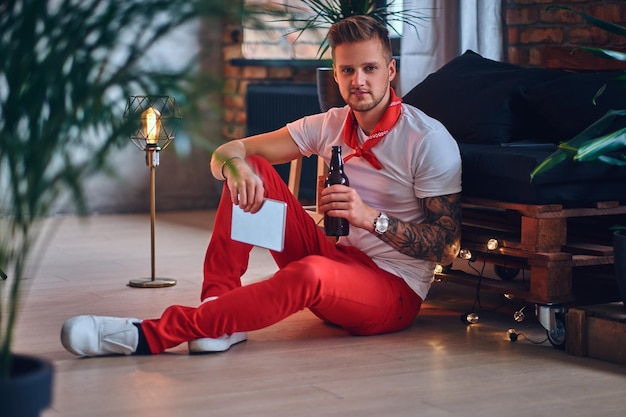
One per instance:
(437, 239)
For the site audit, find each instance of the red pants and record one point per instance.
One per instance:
(339, 284)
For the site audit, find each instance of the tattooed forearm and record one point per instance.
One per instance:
(437, 239)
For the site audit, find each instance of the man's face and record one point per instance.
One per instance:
(363, 74)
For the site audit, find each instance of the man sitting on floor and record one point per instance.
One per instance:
(403, 206)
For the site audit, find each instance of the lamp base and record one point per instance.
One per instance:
(152, 283)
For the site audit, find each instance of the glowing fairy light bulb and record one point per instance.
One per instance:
(471, 318)
(519, 315)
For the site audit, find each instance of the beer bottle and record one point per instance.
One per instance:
(336, 226)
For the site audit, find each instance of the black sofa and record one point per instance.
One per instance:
(506, 119)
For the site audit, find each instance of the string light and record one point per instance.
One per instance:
(513, 335)
(470, 318)
(438, 269)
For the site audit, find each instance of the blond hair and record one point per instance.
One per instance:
(359, 28)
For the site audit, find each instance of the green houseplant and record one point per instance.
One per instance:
(321, 14)
(67, 68)
(597, 142)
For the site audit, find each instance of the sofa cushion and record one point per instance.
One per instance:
(564, 106)
(479, 100)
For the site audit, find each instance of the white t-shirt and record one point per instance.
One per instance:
(419, 158)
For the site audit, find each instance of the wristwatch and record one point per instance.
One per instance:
(381, 223)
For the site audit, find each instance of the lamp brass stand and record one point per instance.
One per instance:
(155, 119)
(152, 160)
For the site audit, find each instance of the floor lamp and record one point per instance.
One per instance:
(153, 120)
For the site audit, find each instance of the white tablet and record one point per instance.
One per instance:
(265, 228)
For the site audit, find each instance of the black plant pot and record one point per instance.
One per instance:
(328, 90)
(619, 255)
(28, 391)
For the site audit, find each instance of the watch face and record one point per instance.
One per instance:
(382, 223)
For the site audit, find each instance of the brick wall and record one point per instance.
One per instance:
(540, 38)
(270, 44)
(238, 76)
(234, 116)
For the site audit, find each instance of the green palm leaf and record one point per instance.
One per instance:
(605, 53)
(591, 140)
(597, 148)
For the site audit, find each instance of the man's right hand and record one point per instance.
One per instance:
(228, 163)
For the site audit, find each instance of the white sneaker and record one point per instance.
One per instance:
(97, 336)
(220, 344)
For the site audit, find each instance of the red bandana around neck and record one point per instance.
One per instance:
(389, 119)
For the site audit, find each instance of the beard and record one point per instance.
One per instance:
(364, 105)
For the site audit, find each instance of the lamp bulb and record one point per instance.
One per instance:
(152, 125)
(512, 334)
(438, 269)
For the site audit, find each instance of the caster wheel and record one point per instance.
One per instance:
(504, 273)
(556, 336)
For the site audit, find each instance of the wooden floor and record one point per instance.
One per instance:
(299, 367)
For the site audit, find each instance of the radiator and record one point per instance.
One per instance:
(272, 105)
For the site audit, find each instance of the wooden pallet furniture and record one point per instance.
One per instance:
(547, 240)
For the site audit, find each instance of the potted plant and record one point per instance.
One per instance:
(67, 69)
(599, 142)
(320, 15)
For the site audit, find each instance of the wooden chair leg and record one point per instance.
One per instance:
(322, 172)
(295, 172)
